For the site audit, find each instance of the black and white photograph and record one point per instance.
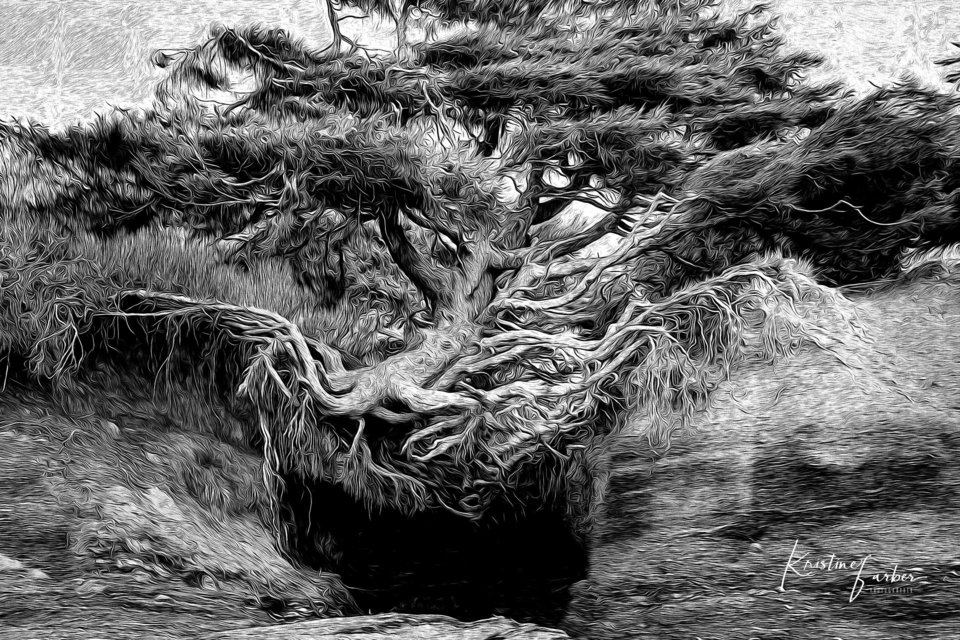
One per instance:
(479, 319)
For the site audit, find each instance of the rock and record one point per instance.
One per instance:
(9, 564)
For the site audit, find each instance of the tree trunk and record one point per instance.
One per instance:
(337, 37)
(402, 20)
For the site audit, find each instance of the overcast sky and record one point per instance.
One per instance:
(61, 60)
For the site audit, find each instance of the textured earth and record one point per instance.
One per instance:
(827, 458)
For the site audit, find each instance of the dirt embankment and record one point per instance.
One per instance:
(118, 513)
(132, 505)
(828, 458)
(124, 511)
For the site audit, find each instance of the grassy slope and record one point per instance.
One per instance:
(37, 190)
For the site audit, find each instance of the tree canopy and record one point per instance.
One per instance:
(720, 192)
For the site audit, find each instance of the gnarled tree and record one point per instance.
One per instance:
(515, 345)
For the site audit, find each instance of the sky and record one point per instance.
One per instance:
(63, 60)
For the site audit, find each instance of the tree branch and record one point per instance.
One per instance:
(433, 282)
(451, 235)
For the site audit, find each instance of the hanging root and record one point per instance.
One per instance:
(510, 414)
(547, 393)
(311, 410)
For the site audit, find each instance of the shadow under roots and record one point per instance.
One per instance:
(519, 565)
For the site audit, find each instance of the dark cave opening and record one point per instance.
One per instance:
(518, 565)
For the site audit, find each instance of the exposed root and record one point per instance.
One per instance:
(510, 411)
